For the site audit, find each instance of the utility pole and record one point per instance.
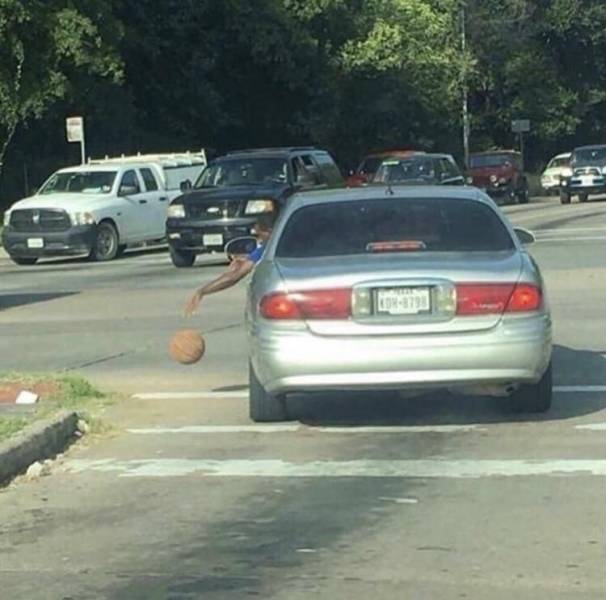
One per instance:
(465, 111)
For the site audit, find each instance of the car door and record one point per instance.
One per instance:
(133, 200)
(157, 203)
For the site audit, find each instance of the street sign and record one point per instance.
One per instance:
(75, 133)
(520, 125)
(75, 129)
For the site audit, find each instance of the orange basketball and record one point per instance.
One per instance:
(187, 346)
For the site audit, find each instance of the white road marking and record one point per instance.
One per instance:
(290, 428)
(201, 395)
(400, 500)
(570, 239)
(576, 389)
(592, 427)
(190, 395)
(449, 469)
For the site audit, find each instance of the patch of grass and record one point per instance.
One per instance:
(62, 393)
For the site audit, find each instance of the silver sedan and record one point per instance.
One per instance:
(397, 288)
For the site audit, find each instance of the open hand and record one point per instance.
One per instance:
(192, 304)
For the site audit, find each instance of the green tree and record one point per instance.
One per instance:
(45, 44)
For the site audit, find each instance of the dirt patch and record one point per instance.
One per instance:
(45, 389)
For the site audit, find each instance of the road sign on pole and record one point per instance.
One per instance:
(521, 126)
(75, 133)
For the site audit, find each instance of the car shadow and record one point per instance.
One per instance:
(351, 409)
(14, 300)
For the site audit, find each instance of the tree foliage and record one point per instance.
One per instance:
(348, 75)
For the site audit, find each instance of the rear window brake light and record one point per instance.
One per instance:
(399, 246)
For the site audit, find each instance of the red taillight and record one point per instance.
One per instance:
(525, 297)
(310, 304)
(497, 298)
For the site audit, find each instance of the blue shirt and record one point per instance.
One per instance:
(256, 254)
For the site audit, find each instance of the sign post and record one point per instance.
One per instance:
(521, 126)
(75, 133)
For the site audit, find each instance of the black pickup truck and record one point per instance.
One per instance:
(233, 190)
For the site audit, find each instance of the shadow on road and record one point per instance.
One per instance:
(350, 409)
(13, 300)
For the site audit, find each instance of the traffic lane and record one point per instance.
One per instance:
(153, 536)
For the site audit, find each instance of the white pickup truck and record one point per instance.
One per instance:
(99, 208)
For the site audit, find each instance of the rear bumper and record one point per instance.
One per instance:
(517, 350)
(189, 235)
(73, 241)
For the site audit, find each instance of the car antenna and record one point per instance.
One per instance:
(389, 189)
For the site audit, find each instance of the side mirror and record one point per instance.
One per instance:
(525, 236)
(241, 245)
(128, 190)
(185, 186)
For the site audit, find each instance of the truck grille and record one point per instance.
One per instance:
(39, 220)
(587, 171)
(226, 209)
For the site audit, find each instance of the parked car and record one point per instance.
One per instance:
(557, 167)
(588, 176)
(500, 174)
(371, 162)
(98, 208)
(234, 189)
(420, 169)
(400, 288)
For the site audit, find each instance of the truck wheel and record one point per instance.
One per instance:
(106, 244)
(24, 261)
(583, 197)
(534, 398)
(564, 197)
(182, 258)
(264, 407)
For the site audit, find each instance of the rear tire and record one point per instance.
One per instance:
(534, 398)
(106, 244)
(182, 258)
(264, 407)
(565, 197)
(24, 261)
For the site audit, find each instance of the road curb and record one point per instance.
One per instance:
(38, 441)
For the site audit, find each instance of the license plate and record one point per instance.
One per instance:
(403, 301)
(35, 242)
(213, 239)
(587, 180)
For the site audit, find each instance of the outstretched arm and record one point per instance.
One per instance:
(237, 270)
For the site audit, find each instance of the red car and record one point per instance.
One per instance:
(500, 174)
(371, 162)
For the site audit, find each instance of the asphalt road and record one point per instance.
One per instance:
(430, 498)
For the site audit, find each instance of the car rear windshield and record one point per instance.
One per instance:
(393, 224)
(414, 169)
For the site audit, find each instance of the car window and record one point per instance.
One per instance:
(305, 174)
(149, 179)
(425, 224)
(407, 170)
(449, 168)
(590, 156)
(488, 160)
(329, 169)
(130, 179)
(370, 165)
(80, 182)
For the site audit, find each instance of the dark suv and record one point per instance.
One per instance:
(588, 174)
(234, 189)
(500, 174)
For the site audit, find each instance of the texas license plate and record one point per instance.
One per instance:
(403, 301)
(213, 239)
(587, 180)
(35, 242)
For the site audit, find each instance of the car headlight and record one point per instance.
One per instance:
(176, 211)
(493, 178)
(82, 218)
(255, 207)
(503, 181)
(7, 218)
